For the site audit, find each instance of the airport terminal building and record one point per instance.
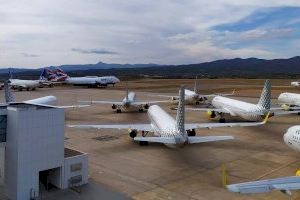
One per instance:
(32, 152)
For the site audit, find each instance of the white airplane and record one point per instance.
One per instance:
(169, 131)
(252, 112)
(58, 75)
(129, 103)
(295, 83)
(21, 84)
(193, 97)
(46, 100)
(290, 101)
(284, 184)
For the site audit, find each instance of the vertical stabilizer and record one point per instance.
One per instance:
(265, 97)
(8, 94)
(10, 73)
(43, 75)
(196, 85)
(127, 91)
(180, 112)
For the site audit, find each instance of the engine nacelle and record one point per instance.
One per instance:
(211, 114)
(133, 133)
(114, 106)
(146, 106)
(201, 99)
(174, 98)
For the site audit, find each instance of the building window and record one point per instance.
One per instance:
(76, 167)
(3, 124)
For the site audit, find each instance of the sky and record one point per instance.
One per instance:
(40, 33)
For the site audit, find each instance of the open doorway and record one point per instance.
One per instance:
(50, 179)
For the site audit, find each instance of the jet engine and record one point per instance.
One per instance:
(114, 106)
(211, 114)
(146, 106)
(174, 98)
(191, 132)
(133, 133)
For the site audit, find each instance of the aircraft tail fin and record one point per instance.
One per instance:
(43, 74)
(181, 111)
(8, 94)
(10, 73)
(265, 98)
(127, 90)
(196, 85)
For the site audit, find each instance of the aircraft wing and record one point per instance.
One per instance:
(284, 184)
(276, 113)
(74, 106)
(219, 94)
(202, 139)
(208, 109)
(138, 127)
(148, 102)
(218, 125)
(163, 140)
(102, 102)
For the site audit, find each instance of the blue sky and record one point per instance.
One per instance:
(41, 33)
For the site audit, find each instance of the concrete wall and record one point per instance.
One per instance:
(35, 142)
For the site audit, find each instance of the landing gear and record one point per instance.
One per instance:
(144, 133)
(20, 89)
(144, 143)
(298, 113)
(141, 110)
(222, 120)
(197, 102)
(33, 89)
(27, 89)
(119, 111)
(191, 133)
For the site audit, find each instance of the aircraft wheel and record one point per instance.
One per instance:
(222, 120)
(20, 89)
(298, 113)
(141, 110)
(197, 102)
(33, 89)
(119, 111)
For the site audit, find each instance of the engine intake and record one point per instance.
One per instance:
(133, 133)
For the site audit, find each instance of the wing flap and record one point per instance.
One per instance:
(163, 140)
(138, 127)
(285, 183)
(202, 139)
(102, 102)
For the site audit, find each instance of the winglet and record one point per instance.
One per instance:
(266, 118)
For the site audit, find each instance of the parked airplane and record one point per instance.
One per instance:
(46, 100)
(21, 84)
(295, 83)
(285, 184)
(252, 112)
(290, 101)
(193, 97)
(169, 131)
(58, 75)
(129, 103)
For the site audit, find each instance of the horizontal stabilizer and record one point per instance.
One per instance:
(163, 140)
(74, 106)
(286, 112)
(283, 184)
(200, 139)
(138, 127)
(102, 102)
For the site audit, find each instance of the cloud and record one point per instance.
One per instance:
(27, 55)
(163, 32)
(93, 51)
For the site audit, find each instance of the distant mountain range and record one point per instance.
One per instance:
(249, 68)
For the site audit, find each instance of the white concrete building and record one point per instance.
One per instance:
(35, 156)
